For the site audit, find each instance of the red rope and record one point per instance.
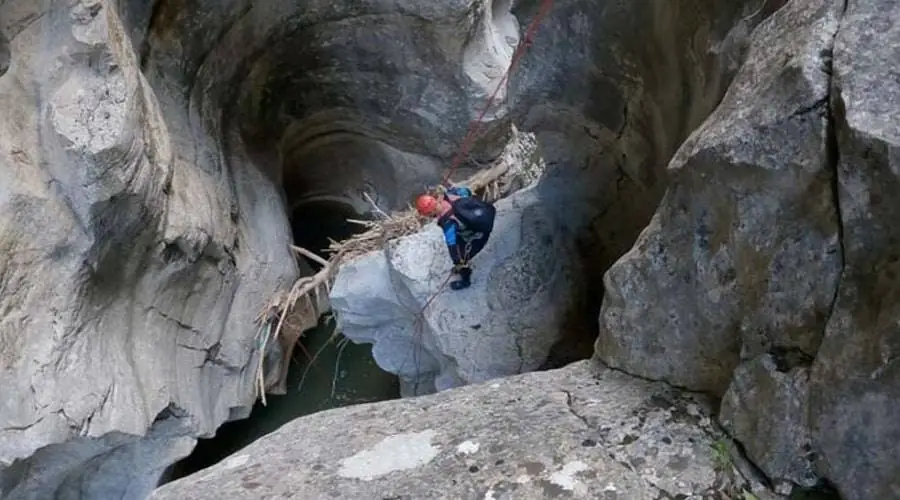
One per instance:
(546, 5)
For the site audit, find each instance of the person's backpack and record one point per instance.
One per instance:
(475, 215)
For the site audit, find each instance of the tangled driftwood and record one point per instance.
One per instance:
(292, 312)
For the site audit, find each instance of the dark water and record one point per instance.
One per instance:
(343, 373)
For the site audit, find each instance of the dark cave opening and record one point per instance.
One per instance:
(343, 373)
(314, 222)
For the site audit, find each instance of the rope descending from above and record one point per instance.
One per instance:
(475, 126)
(312, 291)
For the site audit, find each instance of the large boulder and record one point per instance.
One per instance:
(583, 431)
(436, 338)
(855, 378)
(767, 273)
(743, 253)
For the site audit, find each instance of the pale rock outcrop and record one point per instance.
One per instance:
(145, 152)
(129, 277)
(583, 431)
(436, 338)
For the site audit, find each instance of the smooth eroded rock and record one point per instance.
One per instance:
(129, 281)
(582, 431)
(504, 324)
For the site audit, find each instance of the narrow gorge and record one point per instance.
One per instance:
(688, 293)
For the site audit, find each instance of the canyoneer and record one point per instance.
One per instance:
(467, 223)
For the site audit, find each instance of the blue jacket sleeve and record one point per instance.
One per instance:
(451, 238)
(462, 192)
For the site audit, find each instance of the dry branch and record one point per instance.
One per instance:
(311, 292)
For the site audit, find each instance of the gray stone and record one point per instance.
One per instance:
(146, 173)
(150, 153)
(583, 431)
(772, 257)
(436, 338)
(855, 380)
(743, 253)
(611, 93)
(130, 277)
(767, 408)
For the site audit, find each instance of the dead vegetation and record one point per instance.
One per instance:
(289, 313)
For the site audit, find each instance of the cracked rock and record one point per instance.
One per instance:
(559, 433)
(767, 410)
(743, 252)
(855, 378)
(769, 273)
(752, 210)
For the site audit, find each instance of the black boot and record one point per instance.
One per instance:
(464, 281)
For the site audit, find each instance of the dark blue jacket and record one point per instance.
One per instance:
(467, 225)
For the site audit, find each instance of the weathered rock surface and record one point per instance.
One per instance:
(583, 431)
(127, 298)
(743, 253)
(149, 152)
(855, 378)
(436, 338)
(143, 151)
(767, 409)
(611, 92)
(767, 273)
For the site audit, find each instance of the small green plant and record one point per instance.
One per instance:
(721, 456)
(746, 495)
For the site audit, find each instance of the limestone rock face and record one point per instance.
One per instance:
(436, 338)
(131, 268)
(611, 91)
(855, 378)
(149, 153)
(743, 253)
(578, 432)
(767, 273)
(767, 407)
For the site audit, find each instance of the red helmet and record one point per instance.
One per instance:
(426, 204)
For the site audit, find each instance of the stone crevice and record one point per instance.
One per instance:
(100, 407)
(790, 358)
(235, 150)
(5, 55)
(666, 382)
(570, 406)
(745, 466)
(834, 116)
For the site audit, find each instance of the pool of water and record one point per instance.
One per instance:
(343, 374)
